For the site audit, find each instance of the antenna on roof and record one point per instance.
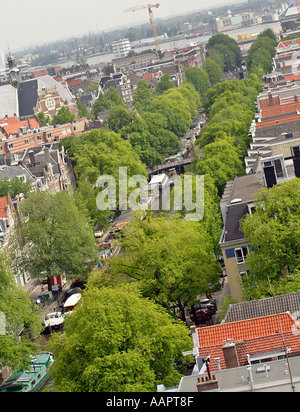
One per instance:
(284, 347)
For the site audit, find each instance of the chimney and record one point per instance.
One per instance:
(270, 98)
(230, 354)
(47, 155)
(218, 364)
(31, 157)
(206, 384)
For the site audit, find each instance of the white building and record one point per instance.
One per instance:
(121, 48)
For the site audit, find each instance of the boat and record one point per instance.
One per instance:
(31, 379)
(54, 320)
(71, 302)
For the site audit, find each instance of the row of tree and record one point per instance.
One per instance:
(224, 139)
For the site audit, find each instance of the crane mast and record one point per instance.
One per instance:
(149, 7)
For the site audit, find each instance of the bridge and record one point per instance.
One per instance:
(177, 164)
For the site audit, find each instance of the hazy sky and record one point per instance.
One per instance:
(25, 23)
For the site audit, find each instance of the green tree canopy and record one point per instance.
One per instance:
(118, 341)
(260, 55)
(107, 100)
(213, 70)
(226, 47)
(143, 95)
(274, 232)
(221, 160)
(96, 153)
(51, 236)
(171, 260)
(20, 313)
(63, 116)
(164, 84)
(199, 79)
(14, 187)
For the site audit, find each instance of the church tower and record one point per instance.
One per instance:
(14, 72)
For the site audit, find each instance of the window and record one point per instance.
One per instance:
(50, 103)
(10, 146)
(26, 141)
(22, 178)
(240, 254)
(278, 166)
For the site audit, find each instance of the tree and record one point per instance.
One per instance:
(107, 100)
(19, 314)
(43, 119)
(221, 160)
(214, 71)
(226, 47)
(119, 117)
(96, 153)
(14, 187)
(274, 232)
(171, 260)
(143, 95)
(199, 79)
(51, 236)
(83, 111)
(212, 220)
(164, 84)
(260, 55)
(134, 351)
(63, 116)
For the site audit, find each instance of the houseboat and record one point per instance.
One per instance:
(31, 379)
(71, 302)
(54, 320)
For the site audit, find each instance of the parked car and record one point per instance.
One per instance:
(210, 304)
(111, 218)
(203, 315)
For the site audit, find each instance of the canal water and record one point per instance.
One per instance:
(178, 44)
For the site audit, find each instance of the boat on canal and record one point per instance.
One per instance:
(31, 379)
(54, 320)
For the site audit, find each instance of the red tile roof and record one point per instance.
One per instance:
(267, 102)
(73, 82)
(252, 347)
(12, 125)
(273, 122)
(291, 77)
(9, 120)
(244, 329)
(288, 43)
(251, 336)
(3, 204)
(281, 109)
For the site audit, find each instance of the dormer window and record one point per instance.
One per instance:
(251, 208)
(274, 170)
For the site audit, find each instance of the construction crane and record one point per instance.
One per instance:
(149, 7)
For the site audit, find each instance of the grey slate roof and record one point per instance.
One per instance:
(233, 216)
(21, 101)
(15, 171)
(263, 307)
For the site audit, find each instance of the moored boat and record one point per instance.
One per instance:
(54, 320)
(32, 378)
(71, 302)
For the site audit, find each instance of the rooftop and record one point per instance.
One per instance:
(268, 306)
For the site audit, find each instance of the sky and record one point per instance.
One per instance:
(31, 22)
